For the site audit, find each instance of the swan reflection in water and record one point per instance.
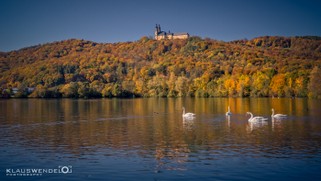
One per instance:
(277, 119)
(228, 119)
(188, 123)
(255, 125)
(276, 123)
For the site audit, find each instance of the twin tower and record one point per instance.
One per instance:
(161, 35)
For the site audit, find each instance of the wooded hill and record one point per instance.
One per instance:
(264, 66)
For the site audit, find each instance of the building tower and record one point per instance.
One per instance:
(157, 30)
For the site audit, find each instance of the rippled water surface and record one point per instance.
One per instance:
(147, 139)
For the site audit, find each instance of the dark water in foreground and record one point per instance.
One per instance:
(147, 139)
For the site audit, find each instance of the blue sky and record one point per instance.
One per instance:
(27, 23)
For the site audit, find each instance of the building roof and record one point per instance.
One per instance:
(162, 33)
(182, 33)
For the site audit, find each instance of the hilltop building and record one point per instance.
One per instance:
(161, 35)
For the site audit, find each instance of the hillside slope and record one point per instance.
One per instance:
(264, 66)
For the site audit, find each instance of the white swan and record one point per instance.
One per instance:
(187, 115)
(228, 113)
(256, 118)
(280, 116)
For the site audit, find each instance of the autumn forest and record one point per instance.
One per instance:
(262, 67)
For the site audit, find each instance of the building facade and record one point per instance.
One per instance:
(161, 35)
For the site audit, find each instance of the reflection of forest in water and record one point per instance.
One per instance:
(155, 127)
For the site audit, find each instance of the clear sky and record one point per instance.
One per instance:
(31, 22)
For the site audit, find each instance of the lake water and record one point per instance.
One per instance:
(147, 139)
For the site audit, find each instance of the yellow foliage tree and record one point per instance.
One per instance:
(277, 85)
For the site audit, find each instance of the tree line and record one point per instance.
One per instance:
(196, 67)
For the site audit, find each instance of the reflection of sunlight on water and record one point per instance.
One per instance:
(172, 158)
(123, 118)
